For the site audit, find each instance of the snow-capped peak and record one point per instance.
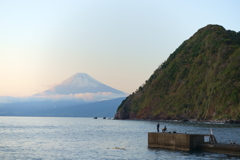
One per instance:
(81, 80)
(80, 83)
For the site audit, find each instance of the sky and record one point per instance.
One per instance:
(118, 42)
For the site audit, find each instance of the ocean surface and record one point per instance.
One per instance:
(56, 138)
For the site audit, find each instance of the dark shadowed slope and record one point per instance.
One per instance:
(96, 109)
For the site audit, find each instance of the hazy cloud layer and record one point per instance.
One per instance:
(87, 97)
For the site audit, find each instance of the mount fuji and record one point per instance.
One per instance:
(83, 87)
(79, 95)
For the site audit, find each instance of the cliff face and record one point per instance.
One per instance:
(200, 80)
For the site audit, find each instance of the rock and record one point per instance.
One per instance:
(237, 121)
(231, 121)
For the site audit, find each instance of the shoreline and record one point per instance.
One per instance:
(190, 120)
(214, 121)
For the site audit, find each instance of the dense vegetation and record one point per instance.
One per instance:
(200, 80)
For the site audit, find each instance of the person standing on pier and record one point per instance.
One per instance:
(158, 125)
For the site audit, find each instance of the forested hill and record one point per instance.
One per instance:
(200, 80)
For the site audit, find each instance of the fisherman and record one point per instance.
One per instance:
(164, 129)
(158, 125)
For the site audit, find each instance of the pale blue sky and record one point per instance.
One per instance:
(118, 42)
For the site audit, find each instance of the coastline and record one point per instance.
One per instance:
(213, 121)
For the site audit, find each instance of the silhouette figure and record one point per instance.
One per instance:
(158, 125)
(164, 129)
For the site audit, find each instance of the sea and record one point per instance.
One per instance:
(65, 138)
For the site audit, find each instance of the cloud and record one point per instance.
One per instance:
(87, 97)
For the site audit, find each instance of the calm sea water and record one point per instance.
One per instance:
(41, 138)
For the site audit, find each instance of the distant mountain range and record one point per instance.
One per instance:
(105, 108)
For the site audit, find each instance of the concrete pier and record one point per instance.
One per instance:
(221, 148)
(179, 141)
(190, 142)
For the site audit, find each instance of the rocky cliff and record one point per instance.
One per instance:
(199, 80)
